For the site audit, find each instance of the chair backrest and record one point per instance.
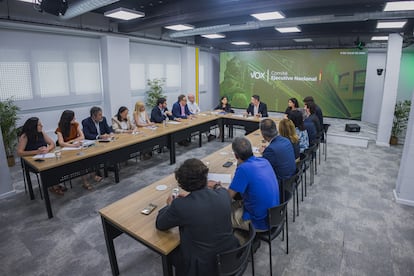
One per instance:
(325, 127)
(235, 261)
(290, 183)
(277, 215)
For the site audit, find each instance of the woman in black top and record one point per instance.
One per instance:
(293, 104)
(224, 105)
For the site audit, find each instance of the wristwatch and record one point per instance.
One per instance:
(217, 185)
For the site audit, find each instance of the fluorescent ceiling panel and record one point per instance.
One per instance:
(303, 39)
(124, 14)
(288, 30)
(379, 38)
(213, 36)
(399, 6)
(27, 1)
(179, 27)
(240, 43)
(391, 24)
(268, 15)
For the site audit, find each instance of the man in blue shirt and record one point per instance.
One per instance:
(256, 182)
(180, 108)
(279, 152)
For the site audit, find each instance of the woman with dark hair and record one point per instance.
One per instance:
(293, 104)
(70, 135)
(287, 129)
(121, 122)
(297, 119)
(224, 105)
(204, 220)
(33, 140)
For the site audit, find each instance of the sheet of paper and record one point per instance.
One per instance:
(70, 148)
(174, 122)
(46, 155)
(222, 177)
(237, 115)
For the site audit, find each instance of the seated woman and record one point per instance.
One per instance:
(121, 122)
(287, 129)
(70, 134)
(293, 104)
(224, 105)
(297, 118)
(141, 118)
(33, 140)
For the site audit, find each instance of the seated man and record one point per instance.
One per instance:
(256, 182)
(256, 107)
(279, 152)
(160, 112)
(180, 108)
(204, 220)
(95, 126)
(192, 105)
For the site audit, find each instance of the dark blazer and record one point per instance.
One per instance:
(204, 221)
(157, 116)
(227, 108)
(176, 111)
(262, 109)
(90, 131)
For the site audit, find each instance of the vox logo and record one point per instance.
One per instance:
(258, 75)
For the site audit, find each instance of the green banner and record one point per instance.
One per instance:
(334, 77)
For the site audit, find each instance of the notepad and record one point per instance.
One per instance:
(46, 155)
(222, 177)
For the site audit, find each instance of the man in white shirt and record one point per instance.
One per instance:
(192, 105)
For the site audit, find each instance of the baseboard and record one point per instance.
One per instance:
(402, 201)
(382, 144)
(5, 195)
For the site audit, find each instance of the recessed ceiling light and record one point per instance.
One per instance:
(124, 14)
(379, 38)
(268, 15)
(213, 36)
(179, 27)
(399, 6)
(288, 30)
(27, 1)
(240, 43)
(303, 39)
(391, 24)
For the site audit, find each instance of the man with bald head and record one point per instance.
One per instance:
(192, 105)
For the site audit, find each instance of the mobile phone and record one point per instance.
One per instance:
(39, 160)
(228, 164)
(148, 210)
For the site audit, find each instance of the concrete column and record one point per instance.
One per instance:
(404, 191)
(392, 71)
(6, 188)
(115, 75)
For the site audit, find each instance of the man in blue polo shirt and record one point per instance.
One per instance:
(256, 182)
(279, 152)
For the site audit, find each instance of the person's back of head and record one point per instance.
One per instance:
(287, 129)
(308, 99)
(268, 129)
(297, 119)
(192, 175)
(312, 107)
(242, 148)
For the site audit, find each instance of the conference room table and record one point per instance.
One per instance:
(73, 163)
(124, 216)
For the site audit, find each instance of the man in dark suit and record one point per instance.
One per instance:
(160, 112)
(180, 108)
(256, 107)
(279, 152)
(204, 220)
(95, 126)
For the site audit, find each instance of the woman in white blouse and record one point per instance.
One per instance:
(141, 118)
(121, 122)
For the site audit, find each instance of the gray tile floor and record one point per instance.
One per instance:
(349, 223)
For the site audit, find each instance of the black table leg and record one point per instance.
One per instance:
(110, 233)
(46, 196)
(199, 139)
(29, 181)
(166, 266)
(172, 150)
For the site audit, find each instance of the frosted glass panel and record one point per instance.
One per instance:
(87, 79)
(173, 75)
(53, 79)
(137, 77)
(15, 81)
(155, 71)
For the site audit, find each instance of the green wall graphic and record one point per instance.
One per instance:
(334, 77)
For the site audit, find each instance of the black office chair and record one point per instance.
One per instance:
(290, 185)
(311, 151)
(305, 158)
(235, 261)
(25, 180)
(325, 140)
(277, 220)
